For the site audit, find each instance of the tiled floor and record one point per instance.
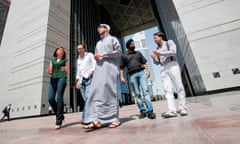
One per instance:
(214, 122)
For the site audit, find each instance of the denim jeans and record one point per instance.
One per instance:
(58, 86)
(139, 84)
(84, 89)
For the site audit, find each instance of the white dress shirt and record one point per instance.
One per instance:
(167, 53)
(85, 65)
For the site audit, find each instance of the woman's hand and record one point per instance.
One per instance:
(65, 68)
(50, 69)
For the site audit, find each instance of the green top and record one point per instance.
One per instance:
(57, 72)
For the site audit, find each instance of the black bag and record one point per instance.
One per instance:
(5, 110)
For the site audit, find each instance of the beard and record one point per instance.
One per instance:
(132, 48)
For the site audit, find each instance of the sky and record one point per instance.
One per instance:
(151, 45)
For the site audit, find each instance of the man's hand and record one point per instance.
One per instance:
(78, 85)
(98, 56)
(153, 56)
(91, 73)
(147, 73)
(123, 80)
(156, 52)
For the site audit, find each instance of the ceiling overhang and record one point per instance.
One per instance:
(130, 16)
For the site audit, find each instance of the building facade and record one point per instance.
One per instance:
(33, 31)
(213, 30)
(4, 6)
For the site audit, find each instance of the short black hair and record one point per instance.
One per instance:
(83, 45)
(159, 34)
(129, 42)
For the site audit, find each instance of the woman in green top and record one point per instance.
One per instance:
(58, 70)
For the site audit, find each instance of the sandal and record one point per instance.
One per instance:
(93, 125)
(114, 124)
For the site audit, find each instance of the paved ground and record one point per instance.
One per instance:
(213, 119)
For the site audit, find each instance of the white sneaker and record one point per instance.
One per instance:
(169, 114)
(183, 112)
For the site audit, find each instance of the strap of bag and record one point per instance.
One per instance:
(158, 57)
(171, 57)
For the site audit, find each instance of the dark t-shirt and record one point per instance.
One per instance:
(133, 61)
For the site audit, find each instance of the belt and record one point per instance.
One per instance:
(86, 78)
(167, 61)
(134, 71)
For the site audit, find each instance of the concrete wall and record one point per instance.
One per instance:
(28, 42)
(213, 30)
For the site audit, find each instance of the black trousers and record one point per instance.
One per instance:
(6, 114)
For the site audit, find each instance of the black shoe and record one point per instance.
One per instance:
(142, 115)
(169, 114)
(152, 115)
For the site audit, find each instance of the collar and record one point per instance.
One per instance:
(104, 36)
(160, 45)
(85, 54)
(131, 52)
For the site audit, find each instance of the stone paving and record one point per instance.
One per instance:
(213, 119)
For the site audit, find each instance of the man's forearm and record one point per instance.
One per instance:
(121, 73)
(145, 67)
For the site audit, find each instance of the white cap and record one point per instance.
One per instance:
(106, 26)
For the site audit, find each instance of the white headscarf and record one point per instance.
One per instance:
(106, 26)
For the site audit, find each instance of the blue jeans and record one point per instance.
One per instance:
(84, 89)
(139, 85)
(58, 86)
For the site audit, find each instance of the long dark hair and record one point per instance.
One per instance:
(55, 52)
